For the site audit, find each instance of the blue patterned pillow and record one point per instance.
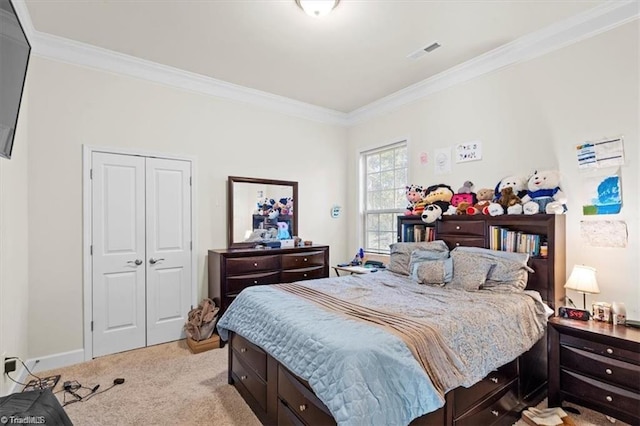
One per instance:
(400, 256)
(469, 271)
(510, 272)
(426, 270)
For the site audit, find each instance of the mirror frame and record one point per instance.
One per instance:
(237, 179)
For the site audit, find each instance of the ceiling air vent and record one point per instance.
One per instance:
(423, 51)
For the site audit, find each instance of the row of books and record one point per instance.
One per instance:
(515, 241)
(417, 233)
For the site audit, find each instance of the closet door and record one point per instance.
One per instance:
(118, 245)
(141, 244)
(168, 263)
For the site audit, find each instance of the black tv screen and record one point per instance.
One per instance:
(14, 59)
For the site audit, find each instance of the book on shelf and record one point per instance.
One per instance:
(418, 233)
(504, 239)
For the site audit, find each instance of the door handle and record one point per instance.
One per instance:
(137, 261)
(153, 260)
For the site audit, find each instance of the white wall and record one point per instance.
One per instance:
(528, 116)
(14, 272)
(71, 106)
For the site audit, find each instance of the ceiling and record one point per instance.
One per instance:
(345, 61)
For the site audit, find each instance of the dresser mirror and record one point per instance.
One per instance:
(260, 211)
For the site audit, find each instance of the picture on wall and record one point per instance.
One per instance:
(603, 194)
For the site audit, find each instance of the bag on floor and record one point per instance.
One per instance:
(202, 320)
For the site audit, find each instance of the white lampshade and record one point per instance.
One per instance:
(583, 279)
(317, 8)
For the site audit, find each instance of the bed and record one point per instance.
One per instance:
(394, 347)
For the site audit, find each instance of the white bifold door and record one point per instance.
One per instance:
(141, 250)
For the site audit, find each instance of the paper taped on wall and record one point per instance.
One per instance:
(604, 233)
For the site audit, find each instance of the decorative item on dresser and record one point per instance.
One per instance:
(232, 270)
(595, 364)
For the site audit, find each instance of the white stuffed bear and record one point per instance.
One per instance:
(544, 194)
(519, 185)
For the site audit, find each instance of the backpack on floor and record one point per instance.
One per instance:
(202, 320)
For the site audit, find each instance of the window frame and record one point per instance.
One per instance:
(395, 211)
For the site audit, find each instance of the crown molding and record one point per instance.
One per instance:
(604, 17)
(556, 36)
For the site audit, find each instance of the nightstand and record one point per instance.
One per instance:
(597, 365)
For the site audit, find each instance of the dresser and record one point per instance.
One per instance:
(232, 270)
(597, 365)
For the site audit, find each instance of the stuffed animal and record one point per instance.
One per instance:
(414, 195)
(544, 194)
(283, 231)
(431, 213)
(466, 188)
(435, 195)
(462, 207)
(518, 184)
(484, 196)
(508, 203)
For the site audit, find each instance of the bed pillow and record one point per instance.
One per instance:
(470, 271)
(400, 255)
(426, 270)
(510, 272)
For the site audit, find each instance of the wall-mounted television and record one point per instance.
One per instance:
(14, 59)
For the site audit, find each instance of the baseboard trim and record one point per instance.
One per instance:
(45, 363)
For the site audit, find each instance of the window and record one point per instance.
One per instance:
(384, 179)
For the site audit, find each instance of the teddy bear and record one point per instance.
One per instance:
(484, 197)
(462, 207)
(544, 194)
(414, 195)
(518, 184)
(508, 203)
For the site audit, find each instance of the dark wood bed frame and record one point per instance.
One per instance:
(277, 396)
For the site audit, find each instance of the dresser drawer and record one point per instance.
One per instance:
(246, 265)
(251, 355)
(245, 377)
(602, 395)
(498, 409)
(607, 369)
(286, 417)
(465, 398)
(301, 400)
(302, 260)
(600, 348)
(238, 283)
(302, 274)
(467, 227)
(453, 241)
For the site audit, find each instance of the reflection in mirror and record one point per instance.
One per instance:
(261, 210)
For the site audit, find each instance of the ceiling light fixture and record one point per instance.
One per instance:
(317, 8)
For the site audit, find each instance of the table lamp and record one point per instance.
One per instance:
(583, 280)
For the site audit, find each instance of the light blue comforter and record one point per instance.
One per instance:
(365, 375)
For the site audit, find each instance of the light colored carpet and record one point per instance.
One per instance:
(167, 384)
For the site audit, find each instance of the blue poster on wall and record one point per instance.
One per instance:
(603, 194)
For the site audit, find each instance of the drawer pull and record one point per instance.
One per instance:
(494, 379)
(457, 226)
(305, 259)
(608, 371)
(305, 275)
(495, 413)
(255, 281)
(243, 377)
(609, 350)
(255, 264)
(303, 407)
(608, 398)
(457, 244)
(243, 350)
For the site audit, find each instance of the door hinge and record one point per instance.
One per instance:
(191, 245)
(190, 181)
(91, 250)
(90, 173)
(91, 325)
